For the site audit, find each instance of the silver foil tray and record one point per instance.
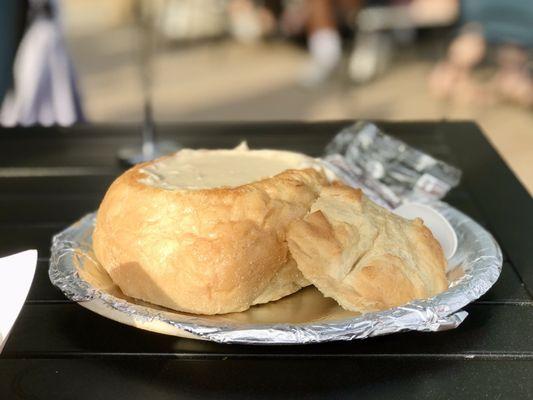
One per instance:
(304, 317)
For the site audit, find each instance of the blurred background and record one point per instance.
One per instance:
(99, 61)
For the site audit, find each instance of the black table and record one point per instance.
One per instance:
(50, 177)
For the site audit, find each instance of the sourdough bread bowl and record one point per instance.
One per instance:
(204, 231)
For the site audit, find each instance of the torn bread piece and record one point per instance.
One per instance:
(364, 256)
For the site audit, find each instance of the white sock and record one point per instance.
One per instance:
(325, 47)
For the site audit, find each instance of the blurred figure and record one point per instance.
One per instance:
(324, 41)
(43, 88)
(506, 25)
(383, 25)
(251, 20)
(513, 80)
(378, 23)
(452, 77)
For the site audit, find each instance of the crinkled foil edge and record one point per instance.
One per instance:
(478, 254)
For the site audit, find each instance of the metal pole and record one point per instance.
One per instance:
(150, 149)
(146, 42)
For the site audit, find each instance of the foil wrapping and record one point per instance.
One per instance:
(390, 172)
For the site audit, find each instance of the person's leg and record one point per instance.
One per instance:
(321, 15)
(453, 76)
(513, 80)
(324, 42)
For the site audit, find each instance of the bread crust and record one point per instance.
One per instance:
(364, 256)
(203, 251)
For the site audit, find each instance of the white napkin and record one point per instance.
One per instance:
(16, 275)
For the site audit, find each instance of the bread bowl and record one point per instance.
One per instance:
(204, 231)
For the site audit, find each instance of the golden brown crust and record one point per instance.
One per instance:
(204, 251)
(362, 255)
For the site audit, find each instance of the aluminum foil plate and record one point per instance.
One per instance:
(304, 317)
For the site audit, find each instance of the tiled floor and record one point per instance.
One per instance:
(228, 81)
